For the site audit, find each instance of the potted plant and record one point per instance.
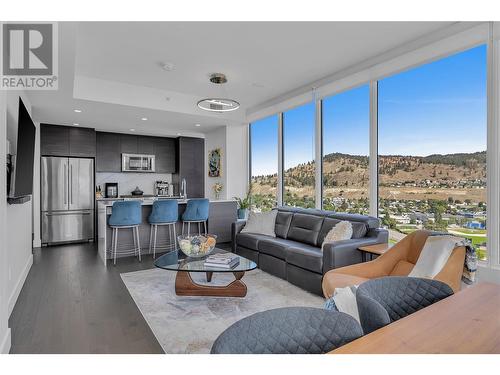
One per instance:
(244, 205)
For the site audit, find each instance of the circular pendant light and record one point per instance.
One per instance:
(218, 104)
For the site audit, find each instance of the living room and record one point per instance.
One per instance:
(313, 186)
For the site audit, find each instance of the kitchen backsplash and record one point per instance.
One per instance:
(128, 181)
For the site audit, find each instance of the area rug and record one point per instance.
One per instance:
(191, 324)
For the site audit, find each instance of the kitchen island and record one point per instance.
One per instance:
(222, 214)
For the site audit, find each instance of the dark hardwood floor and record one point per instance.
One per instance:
(71, 303)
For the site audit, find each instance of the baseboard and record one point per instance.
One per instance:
(5, 344)
(19, 284)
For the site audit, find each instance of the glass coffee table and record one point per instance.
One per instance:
(184, 284)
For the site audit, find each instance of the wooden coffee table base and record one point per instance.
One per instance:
(185, 286)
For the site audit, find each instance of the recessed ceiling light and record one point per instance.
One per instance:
(178, 133)
(77, 110)
(75, 124)
(197, 125)
(168, 66)
(132, 130)
(144, 119)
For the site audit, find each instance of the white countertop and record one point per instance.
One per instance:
(108, 202)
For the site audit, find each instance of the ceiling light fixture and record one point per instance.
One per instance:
(132, 130)
(77, 110)
(218, 104)
(144, 119)
(75, 124)
(197, 125)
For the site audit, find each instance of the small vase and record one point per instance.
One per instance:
(242, 213)
(217, 195)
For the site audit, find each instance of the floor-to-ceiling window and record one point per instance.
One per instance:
(298, 156)
(346, 134)
(264, 162)
(432, 124)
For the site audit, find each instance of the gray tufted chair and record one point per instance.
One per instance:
(289, 330)
(385, 300)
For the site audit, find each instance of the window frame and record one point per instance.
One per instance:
(373, 75)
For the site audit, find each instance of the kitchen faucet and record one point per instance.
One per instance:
(184, 188)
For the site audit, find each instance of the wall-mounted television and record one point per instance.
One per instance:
(21, 183)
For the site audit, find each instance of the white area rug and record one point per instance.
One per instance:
(191, 324)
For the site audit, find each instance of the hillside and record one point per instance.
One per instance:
(408, 174)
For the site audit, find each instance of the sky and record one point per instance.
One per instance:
(436, 108)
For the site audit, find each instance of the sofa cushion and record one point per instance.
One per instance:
(250, 240)
(359, 230)
(305, 256)
(369, 221)
(283, 219)
(305, 228)
(276, 247)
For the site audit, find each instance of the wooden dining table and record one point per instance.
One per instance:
(466, 322)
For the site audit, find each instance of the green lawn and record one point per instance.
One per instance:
(470, 231)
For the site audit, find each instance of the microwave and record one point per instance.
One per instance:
(138, 163)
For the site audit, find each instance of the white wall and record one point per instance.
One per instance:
(237, 161)
(4, 294)
(233, 142)
(19, 216)
(216, 139)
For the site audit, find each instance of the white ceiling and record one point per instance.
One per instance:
(112, 70)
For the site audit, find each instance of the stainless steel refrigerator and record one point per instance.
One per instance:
(67, 199)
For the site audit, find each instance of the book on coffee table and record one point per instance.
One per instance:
(222, 260)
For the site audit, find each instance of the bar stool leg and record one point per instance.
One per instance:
(135, 241)
(150, 237)
(115, 244)
(154, 243)
(205, 226)
(199, 232)
(175, 239)
(189, 228)
(183, 228)
(138, 243)
(169, 235)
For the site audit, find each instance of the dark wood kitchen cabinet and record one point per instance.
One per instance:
(128, 143)
(146, 145)
(57, 140)
(82, 142)
(108, 152)
(190, 165)
(54, 140)
(165, 151)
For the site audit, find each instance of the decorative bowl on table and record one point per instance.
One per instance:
(197, 246)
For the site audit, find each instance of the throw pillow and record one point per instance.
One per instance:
(434, 255)
(261, 223)
(341, 231)
(344, 300)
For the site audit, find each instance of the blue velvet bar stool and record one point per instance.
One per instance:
(126, 215)
(196, 212)
(164, 212)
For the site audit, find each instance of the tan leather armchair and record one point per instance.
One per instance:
(399, 260)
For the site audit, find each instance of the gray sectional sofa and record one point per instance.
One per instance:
(295, 253)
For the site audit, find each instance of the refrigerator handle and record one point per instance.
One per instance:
(70, 183)
(65, 185)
